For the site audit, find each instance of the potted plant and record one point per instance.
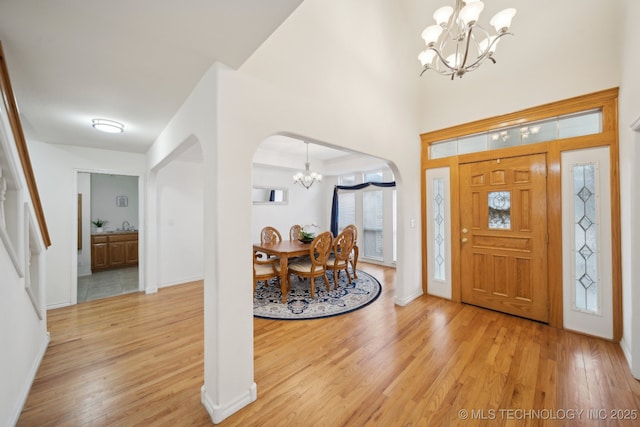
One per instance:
(307, 234)
(99, 223)
(306, 237)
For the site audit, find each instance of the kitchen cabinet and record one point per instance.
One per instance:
(114, 250)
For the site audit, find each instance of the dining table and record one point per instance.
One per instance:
(284, 250)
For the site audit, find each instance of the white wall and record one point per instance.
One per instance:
(534, 68)
(180, 222)
(105, 188)
(549, 58)
(55, 168)
(630, 186)
(23, 335)
(312, 206)
(340, 73)
(330, 95)
(334, 73)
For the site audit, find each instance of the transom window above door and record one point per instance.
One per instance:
(566, 126)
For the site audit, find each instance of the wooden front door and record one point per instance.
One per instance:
(504, 235)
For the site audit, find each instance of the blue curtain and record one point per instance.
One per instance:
(334, 205)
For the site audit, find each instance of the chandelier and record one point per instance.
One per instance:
(307, 178)
(457, 43)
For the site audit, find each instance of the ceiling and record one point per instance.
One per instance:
(135, 62)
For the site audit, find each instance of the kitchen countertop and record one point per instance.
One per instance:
(115, 232)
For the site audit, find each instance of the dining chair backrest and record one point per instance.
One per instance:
(320, 250)
(353, 228)
(355, 252)
(270, 235)
(343, 245)
(295, 232)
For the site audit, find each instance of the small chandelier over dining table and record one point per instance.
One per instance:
(456, 43)
(307, 178)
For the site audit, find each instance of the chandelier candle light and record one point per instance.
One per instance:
(457, 43)
(307, 178)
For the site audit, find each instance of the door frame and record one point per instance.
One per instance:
(605, 101)
(141, 227)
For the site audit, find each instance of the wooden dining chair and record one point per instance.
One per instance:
(268, 235)
(316, 264)
(341, 254)
(295, 232)
(353, 258)
(263, 270)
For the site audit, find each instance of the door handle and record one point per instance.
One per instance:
(465, 240)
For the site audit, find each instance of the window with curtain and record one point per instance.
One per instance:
(346, 210)
(373, 176)
(394, 210)
(368, 200)
(373, 216)
(347, 180)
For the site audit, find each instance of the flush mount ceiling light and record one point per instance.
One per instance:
(307, 178)
(457, 43)
(108, 126)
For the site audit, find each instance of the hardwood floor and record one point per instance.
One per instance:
(137, 360)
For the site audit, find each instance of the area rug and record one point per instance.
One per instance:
(348, 297)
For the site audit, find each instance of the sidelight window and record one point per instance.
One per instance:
(585, 232)
(439, 253)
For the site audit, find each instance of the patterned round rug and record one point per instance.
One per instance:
(348, 297)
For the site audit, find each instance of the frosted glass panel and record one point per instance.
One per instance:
(539, 132)
(499, 210)
(444, 149)
(578, 125)
(585, 123)
(472, 144)
(439, 255)
(586, 263)
(504, 138)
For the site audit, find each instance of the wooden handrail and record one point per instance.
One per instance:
(9, 101)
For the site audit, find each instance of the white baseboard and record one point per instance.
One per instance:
(439, 289)
(218, 413)
(154, 289)
(84, 270)
(58, 305)
(181, 281)
(624, 345)
(406, 300)
(31, 377)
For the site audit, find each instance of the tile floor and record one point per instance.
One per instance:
(107, 283)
